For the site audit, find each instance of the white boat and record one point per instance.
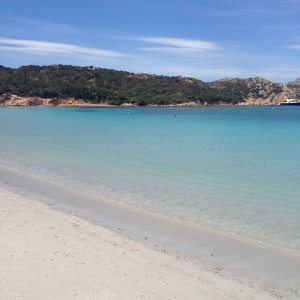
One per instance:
(291, 102)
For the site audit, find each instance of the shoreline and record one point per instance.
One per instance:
(45, 253)
(18, 101)
(104, 105)
(274, 270)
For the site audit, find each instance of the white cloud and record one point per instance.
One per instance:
(185, 47)
(57, 49)
(180, 43)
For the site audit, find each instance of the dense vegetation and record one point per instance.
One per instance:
(98, 85)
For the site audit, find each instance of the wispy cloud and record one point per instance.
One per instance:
(281, 73)
(49, 27)
(177, 46)
(201, 72)
(181, 43)
(294, 47)
(57, 49)
(34, 29)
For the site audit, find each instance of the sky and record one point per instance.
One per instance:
(204, 39)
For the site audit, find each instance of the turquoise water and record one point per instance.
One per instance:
(233, 169)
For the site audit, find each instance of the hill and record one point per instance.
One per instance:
(295, 86)
(255, 91)
(72, 85)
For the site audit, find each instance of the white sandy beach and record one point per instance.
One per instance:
(47, 254)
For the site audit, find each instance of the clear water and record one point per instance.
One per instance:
(234, 169)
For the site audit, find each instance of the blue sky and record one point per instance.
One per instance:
(205, 39)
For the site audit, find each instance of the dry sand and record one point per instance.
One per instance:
(47, 254)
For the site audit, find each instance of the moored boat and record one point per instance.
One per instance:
(290, 102)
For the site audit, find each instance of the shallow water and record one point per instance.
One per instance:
(233, 169)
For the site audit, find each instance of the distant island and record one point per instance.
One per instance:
(64, 85)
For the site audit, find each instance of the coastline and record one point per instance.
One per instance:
(259, 268)
(17, 101)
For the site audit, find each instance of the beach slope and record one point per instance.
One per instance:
(47, 254)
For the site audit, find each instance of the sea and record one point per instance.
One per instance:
(233, 169)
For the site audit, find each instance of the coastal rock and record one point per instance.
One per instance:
(295, 86)
(15, 100)
(255, 91)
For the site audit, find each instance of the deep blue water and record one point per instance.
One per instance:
(234, 169)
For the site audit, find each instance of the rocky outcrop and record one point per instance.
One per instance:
(14, 100)
(263, 92)
(295, 86)
(255, 91)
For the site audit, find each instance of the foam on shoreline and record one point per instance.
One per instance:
(276, 270)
